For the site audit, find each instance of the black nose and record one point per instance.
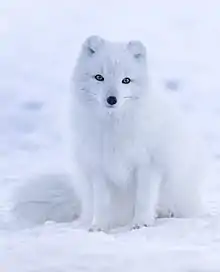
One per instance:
(111, 100)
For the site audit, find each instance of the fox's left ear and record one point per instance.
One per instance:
(92, 44)
(138, 49)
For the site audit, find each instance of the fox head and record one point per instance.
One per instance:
(110, 75)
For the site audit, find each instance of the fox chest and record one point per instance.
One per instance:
(113, 153)
(117, 163)
(114, 159)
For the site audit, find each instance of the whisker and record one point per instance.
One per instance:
(131, 97)
(87, 92)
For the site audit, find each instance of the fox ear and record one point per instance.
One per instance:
(92, 44)
(137, 49)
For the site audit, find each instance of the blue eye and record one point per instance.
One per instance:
(99, 77)
(126, 80)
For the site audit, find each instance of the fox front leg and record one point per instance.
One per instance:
(101, 205)
(147, 194)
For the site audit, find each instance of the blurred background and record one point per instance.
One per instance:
(39, 44)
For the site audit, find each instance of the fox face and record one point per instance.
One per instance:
(110, 75)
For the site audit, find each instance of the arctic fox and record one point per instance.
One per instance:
(133, 156)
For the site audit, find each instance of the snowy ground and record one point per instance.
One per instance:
(40, 41)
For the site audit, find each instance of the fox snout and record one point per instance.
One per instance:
(111, 101)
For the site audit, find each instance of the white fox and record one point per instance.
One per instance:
(133, 156)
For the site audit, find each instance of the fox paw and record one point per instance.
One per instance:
(145, 222)
(139, 226)
(95, 229)
(98, 228)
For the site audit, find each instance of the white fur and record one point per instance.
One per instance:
(134, 160)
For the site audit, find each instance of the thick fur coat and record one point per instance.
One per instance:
(134, 158)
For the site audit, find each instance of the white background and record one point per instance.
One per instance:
(39, 43)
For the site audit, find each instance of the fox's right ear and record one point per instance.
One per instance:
(138, 49)
(92, 44)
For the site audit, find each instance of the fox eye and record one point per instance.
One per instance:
(126, 80)
(99, 77)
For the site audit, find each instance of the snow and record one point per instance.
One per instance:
(178, 245)
(40, 41)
